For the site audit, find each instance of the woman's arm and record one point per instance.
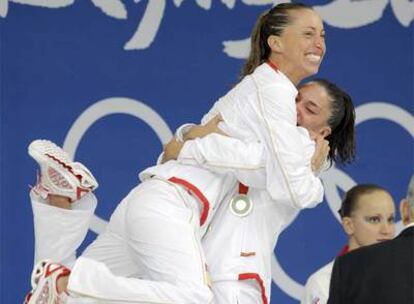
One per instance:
(282, 154)
(223, 154)
(207, 146)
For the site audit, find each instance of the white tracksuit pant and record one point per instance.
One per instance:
(149, 253)
(106, 273)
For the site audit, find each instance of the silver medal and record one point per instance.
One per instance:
(241, 205)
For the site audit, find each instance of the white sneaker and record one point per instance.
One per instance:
(44, 284)
(58, 174)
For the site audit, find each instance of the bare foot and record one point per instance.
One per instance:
(59, 201)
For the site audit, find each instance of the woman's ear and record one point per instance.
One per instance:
(348, 226)
(404, 211)
(275, 43)
(325, 131)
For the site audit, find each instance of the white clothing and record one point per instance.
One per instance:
(409, 225)
(160, 225)
(212, 185)
(317, 287)
(149, 253)
(238, 245)
(236, 292)
(266, 149)
(248, 242)
(50, 223)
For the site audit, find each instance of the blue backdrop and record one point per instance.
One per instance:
(110, 79)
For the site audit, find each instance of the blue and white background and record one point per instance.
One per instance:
(111, 79)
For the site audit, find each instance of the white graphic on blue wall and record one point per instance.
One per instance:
(346, 14)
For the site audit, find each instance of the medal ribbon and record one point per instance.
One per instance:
(243, 189)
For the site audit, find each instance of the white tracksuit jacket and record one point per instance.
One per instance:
(131, 260)
(317, 286)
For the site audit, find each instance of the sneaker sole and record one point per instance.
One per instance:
(47, 154)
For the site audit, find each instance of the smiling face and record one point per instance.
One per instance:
(313, 108)
(299, 50)
(371, 221)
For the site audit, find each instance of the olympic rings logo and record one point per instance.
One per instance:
(333, 179)
(109, 106)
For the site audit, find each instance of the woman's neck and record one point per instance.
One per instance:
(286, 69)
(352, 245)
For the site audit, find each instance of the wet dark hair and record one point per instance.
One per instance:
(352, 196)
(342, 123)
(272, 22)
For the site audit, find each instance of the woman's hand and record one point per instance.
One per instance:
(321, 153)
(171, 150)
(200, 131)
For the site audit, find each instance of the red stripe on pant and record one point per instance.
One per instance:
(258, 279)
(205, 205)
